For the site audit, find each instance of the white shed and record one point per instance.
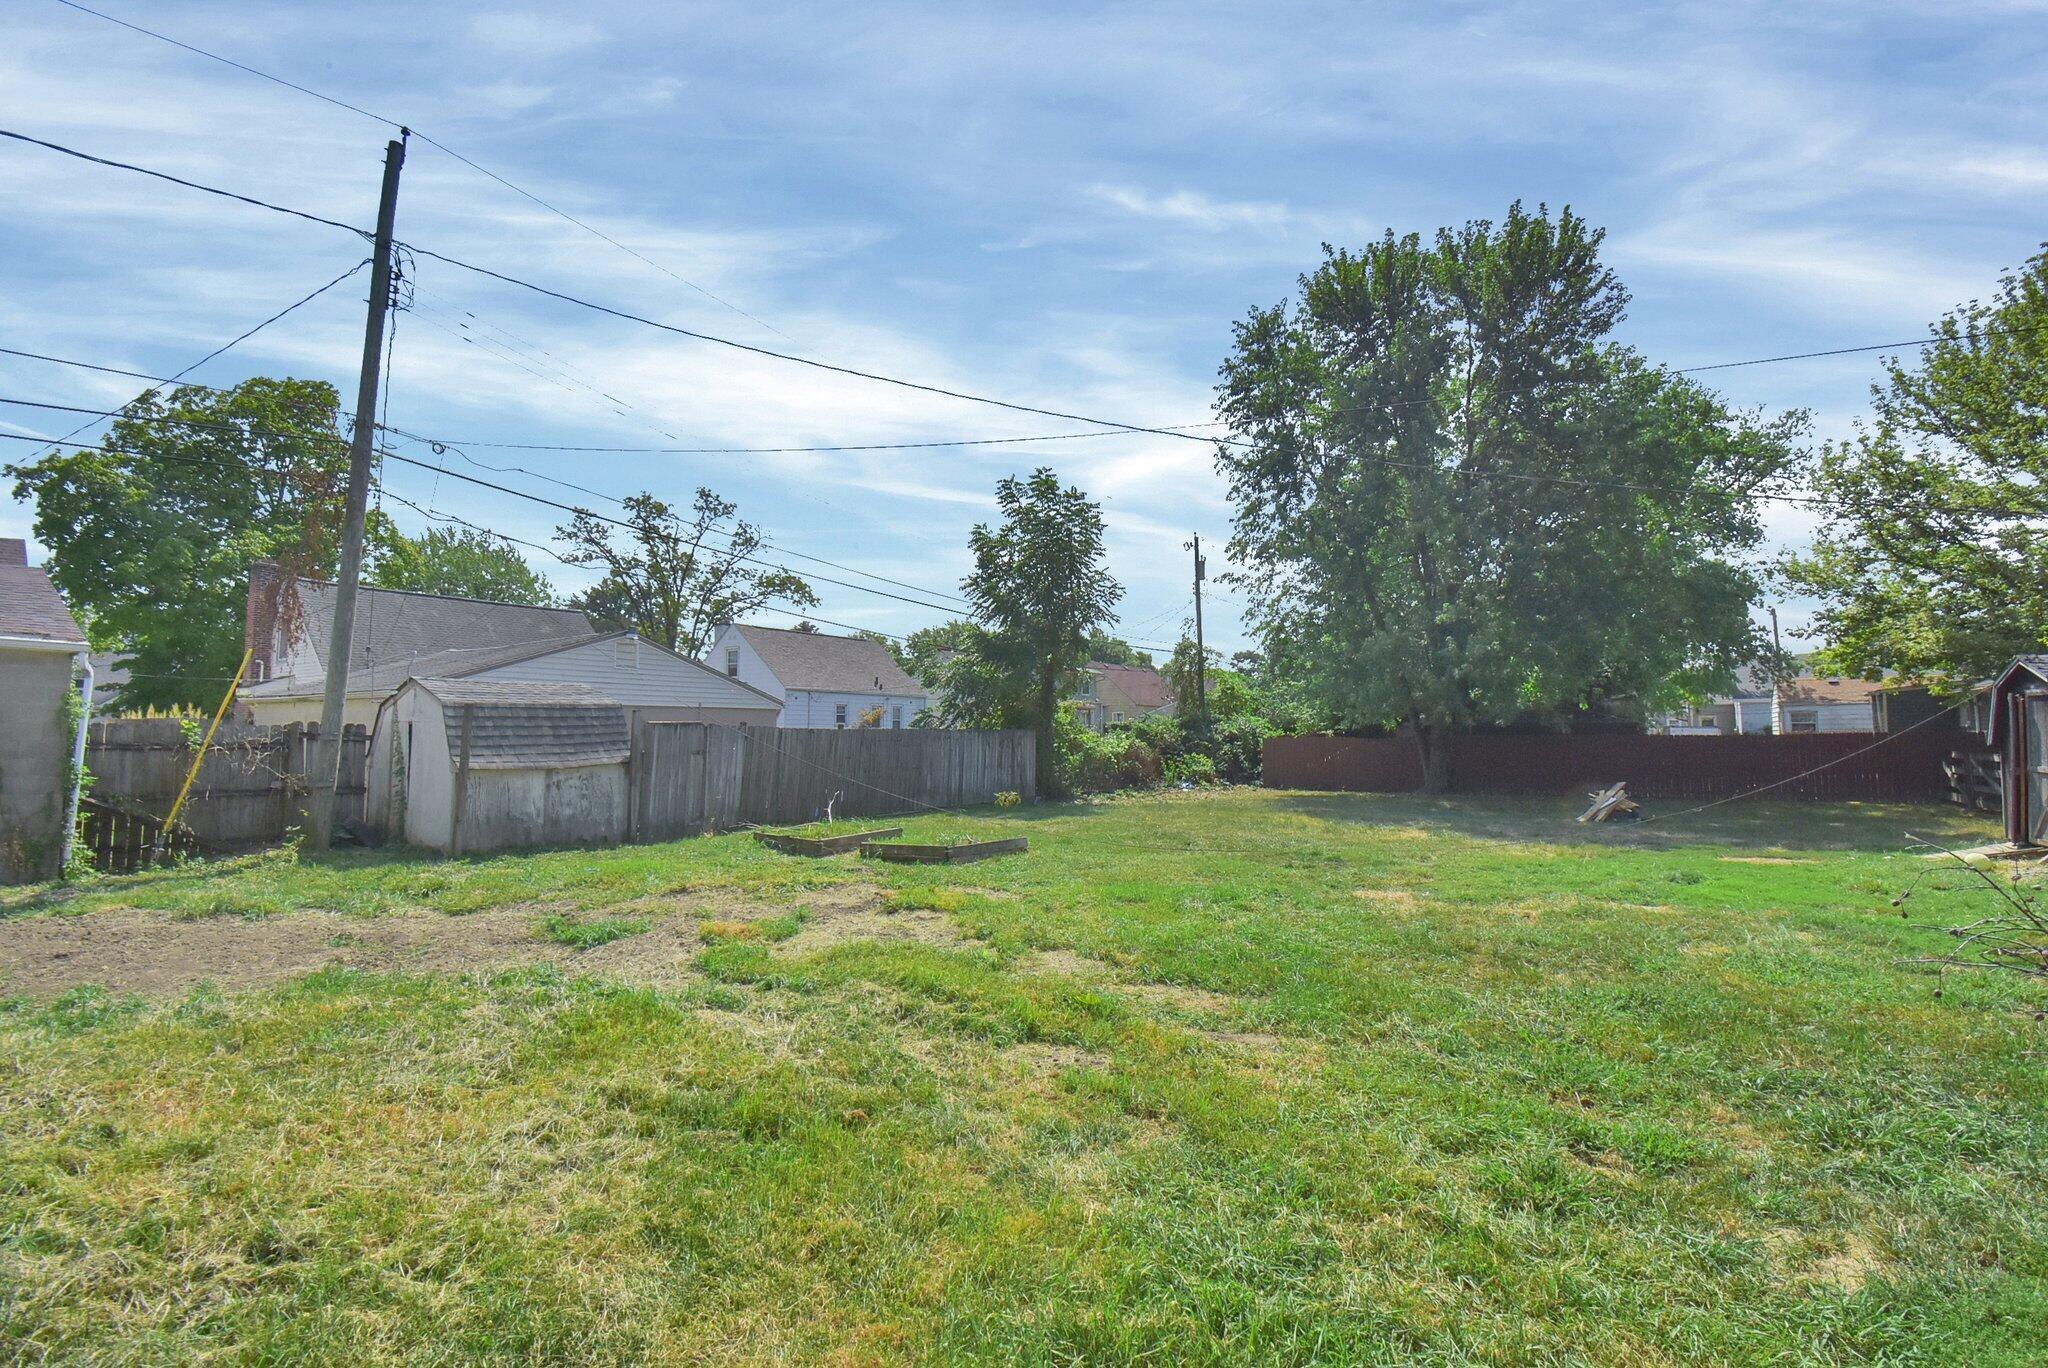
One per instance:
(468, 765)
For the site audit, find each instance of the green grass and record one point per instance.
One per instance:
(1205, 1078)
(584, 933)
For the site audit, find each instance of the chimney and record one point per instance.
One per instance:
(259, 618)
(13, 551)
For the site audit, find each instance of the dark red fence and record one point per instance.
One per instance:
(1908, 767)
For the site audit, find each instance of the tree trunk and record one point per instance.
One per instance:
(1051, 782)
(1433, 752)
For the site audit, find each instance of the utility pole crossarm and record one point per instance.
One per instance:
(326, 784)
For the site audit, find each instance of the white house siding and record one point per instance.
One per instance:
(358, 708)
(804, 708)
(653, 678)
(752, 669)
(1829, 717)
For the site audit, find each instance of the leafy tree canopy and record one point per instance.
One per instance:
(1460, 503)
(152, 534)
(1934, 563)
(1114, 650)
(1038, 589)
(668, 579)
(459, 561)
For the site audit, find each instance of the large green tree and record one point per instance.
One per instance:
(459, 561)
(1460, 503)
(1934, 560)
(674, 576)
(151, 535)
(1038, 588)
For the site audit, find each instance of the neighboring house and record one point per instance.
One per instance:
(400, 634)
(1760, 708)
(467, 765)
(1111, 695)
(821, 680)
(41, 652)
(1824, 705)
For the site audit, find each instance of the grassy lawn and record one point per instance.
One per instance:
(1203, 1078)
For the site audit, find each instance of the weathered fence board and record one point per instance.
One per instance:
(691, 777)
(1908, 767)
(249, 788)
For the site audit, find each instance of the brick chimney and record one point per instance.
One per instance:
(259, 618)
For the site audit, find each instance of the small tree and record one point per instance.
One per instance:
(665, 580)
(1038, 587)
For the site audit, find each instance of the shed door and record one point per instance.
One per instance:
(2037, 768)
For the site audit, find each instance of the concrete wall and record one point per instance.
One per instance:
(35, 758)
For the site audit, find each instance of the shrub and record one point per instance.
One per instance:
(1100, 763)
(1192, 768)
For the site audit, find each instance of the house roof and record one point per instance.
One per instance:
(399, 625)
(2035, 665)
(818, 662)
(1142, 684)
(384, 676)
(1811, 692)
(530, 726)
(30, 605)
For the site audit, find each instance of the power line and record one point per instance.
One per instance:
(236, 341)
(188, 184)
(431, 142)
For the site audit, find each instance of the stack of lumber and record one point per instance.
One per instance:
(1607, 802)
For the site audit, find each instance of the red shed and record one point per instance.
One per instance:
(2018, 730)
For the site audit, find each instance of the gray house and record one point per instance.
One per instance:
(463, 766)
(42, 651)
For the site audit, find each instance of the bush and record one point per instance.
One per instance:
(1192, 768)
(1101, 763)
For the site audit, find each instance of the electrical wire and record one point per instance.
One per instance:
(431, 142)
(174, 379)
(363, 233)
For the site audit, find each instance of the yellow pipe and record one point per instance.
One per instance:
(226, 702)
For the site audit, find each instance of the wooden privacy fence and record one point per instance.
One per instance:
(691, 777)
(118, 841)
(249, 788)
(1908, 767)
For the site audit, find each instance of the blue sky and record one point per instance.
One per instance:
(1065, 205)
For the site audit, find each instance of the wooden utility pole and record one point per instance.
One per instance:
(326, 773)
(1201, 651)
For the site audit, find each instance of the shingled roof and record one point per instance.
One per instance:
(30, 605)
(821, 663)
(530, 726)
(398, 625)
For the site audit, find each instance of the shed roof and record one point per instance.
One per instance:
(530, 726)
(30, 605)
(2013, 674)
(824, 663)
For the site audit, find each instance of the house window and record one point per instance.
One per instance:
(1116, 717)
(1087, 686)
(1802, 720)
(896, 717)
(626, 653)
(839, 716)
(732, 662)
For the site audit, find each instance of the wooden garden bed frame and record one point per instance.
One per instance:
(818, 847)
(964, 853)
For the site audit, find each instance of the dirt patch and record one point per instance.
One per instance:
(1388, 897)
(1764, 859)
(1068, 962)
(1042, 1057)
(151, 955)
(839, 915)
(1182, 997)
